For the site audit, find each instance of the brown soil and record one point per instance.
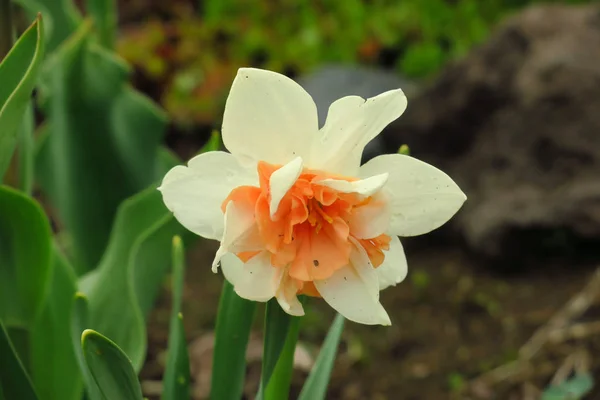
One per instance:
(452, 320)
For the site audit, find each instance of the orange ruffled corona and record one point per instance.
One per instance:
(310, 230)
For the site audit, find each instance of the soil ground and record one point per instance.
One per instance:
(453, 320)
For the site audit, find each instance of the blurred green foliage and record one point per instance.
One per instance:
(414, 37)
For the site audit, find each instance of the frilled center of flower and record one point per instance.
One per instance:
(310, 232)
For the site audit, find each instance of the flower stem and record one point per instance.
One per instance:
(281, 335)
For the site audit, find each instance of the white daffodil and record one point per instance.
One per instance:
(294, 210)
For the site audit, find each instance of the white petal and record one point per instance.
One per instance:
(268, 117)
(240, 233)
(423, 198)
(365, 187)
(194, 193)
(394, 267)
(372, 219)
(351, 123)
(255, 280)
(287, 297)
(281, 181)
(353, 291)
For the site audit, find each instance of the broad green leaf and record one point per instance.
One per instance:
(61, 18)
(18, 74)
(234, 322)
(571, 389)
(315, 387)
(102, 145)
(52, 352)
(25, 258)
(132, 270)
(281, 378)
(79, 323)
(176, 383)
(277, 326)
(14, 382)
(104, 13)
(110, 367)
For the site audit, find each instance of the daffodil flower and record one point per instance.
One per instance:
(294, 210)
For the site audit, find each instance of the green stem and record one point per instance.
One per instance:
(281, 335)
(281, 379)
(6, 28)
(232, 333)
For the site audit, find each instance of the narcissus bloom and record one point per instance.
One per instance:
(294, 210)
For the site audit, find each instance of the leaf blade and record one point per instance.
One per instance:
(18, 74)
(315, 387)
(110, 368)
(24, 274)
(177, 372)
(14, 382)
(52, 353)
(234, 322)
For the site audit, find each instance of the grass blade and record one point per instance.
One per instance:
(315, 387)
(177, 373)
(14, 382)
(277, 325)
(110, 368)
(234, 323)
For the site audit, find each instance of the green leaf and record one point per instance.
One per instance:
(102, 146)
(26, 151)
(234, 322)
(110, 368)
(14, 382)
(79, 323)
(213, 143)
(281, 378)
(18, 74)
(177, 373)
(315, 387)
(132, 270)
(25, 258)
(61, 18)
(104, 13)
(571, 389)
(277, 325)
(52, 352)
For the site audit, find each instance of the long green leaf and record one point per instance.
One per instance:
(14, 382)
(110, 368)
(18, 74)
(103, 142)
(26, 151)
(234, 322)
(52, 352)
(177, 373)
(315, 387)
(25, 258)
(281, 378)
(132, 270)
(79, 323)
(277, 325)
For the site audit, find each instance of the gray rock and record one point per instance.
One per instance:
(332, 82)
(517, 124)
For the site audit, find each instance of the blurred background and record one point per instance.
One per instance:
(504, 96)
